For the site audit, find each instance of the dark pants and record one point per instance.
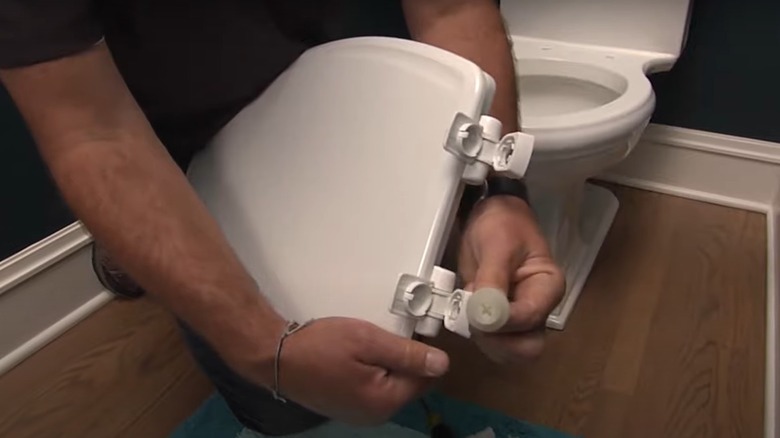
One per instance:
(254, 406)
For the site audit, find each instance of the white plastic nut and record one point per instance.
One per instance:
(488, 309)
(443, 279)
(491, 128)
(428, 327)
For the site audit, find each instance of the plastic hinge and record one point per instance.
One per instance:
(432, 303)
(480, 146)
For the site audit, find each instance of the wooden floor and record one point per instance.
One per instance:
(667, 340)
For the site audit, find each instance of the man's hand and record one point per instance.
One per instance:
(347, 369)
(502, 247)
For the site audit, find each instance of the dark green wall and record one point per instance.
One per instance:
(727, 81)
(30, 207)
(728, 78)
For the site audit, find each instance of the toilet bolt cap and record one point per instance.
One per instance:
(488, 309)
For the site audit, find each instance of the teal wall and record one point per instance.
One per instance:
(727, 81)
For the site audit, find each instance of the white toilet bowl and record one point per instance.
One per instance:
(586, 109)
(586, 98)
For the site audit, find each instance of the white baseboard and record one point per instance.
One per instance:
(725, 170)
(772, 394)
(44, 290)
(720, 169)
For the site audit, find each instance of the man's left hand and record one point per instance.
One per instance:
(502, 247)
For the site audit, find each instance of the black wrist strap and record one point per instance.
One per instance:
(494, 186)
(501, 185)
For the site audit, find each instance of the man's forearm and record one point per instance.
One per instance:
(137, 203)
(475, 30)
(119, 180)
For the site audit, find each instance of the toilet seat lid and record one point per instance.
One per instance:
(335, 181)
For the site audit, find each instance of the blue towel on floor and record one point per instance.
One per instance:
(338, 430)
(466, 419)
(214, 420)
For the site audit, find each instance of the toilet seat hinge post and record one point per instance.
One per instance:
(480, 145)
(432, 303)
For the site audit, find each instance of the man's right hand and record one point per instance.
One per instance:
(350, 370)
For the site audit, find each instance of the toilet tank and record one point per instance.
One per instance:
(658, 27)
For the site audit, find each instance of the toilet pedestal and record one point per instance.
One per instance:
(575, 220)
(575, 215)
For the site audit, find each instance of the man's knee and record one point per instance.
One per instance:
(112, 277)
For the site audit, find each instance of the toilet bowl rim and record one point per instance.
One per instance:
(594, 132)
(638, 92)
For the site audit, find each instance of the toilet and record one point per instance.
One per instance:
(339, 185)
(584, 95)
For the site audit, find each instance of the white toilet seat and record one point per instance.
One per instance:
(563, 132)
(338, 186)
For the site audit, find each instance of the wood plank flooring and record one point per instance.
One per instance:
(122, 372)
(666, 341)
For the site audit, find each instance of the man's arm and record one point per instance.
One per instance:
(119, 180)
(475, 30)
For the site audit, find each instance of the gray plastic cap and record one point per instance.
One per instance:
(488, 309)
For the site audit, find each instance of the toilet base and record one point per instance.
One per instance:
(599, 208)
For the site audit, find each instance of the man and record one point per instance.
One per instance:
(120, 94)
